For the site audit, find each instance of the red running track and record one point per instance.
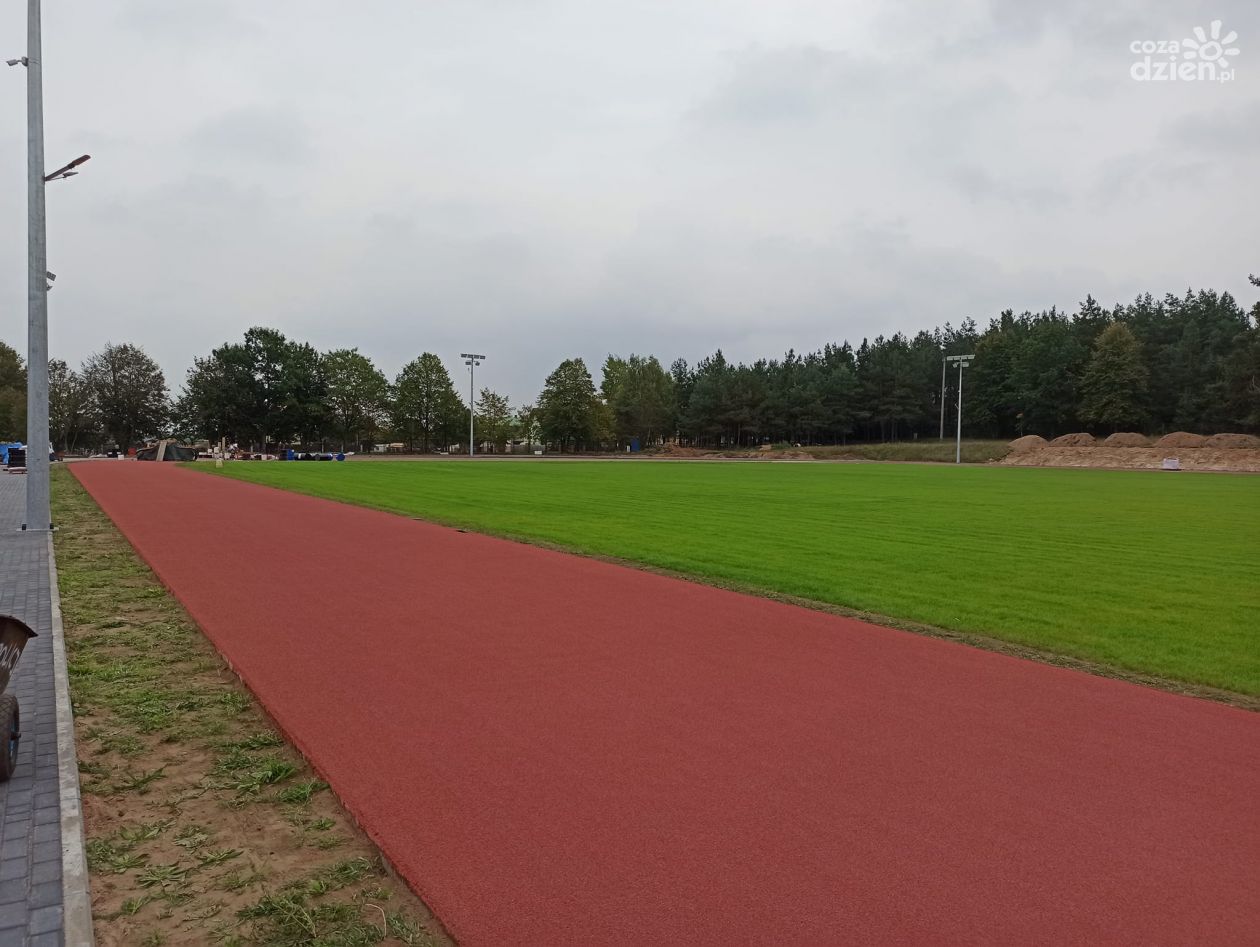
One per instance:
(554, 750)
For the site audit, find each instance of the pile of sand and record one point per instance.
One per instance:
(1127, 440)
(1233, 442)
(1149, 458)
(1028, 443)
(676, 450)
(1073, 440)
(1181, 439)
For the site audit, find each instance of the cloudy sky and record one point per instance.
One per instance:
(535, 179)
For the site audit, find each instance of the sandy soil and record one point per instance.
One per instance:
(1138, 458)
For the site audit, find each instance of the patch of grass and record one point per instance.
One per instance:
(925, 451)
(238, 880)
(192, 837)
(144, 832)
(301, 793)
(301, 914)
(1148, 572)
(133, 906)
(290, 920)
(270, 772)
(405, 929)
(210, 859)
(256, 741)
(108, 856)
(138, 782)
(161, 876)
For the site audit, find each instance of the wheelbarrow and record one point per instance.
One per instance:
(13, 638)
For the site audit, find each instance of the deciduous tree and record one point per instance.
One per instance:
(494, 419)
(12, 395)
(69, 406)
(566, 407)
(126, 394)
(1114, 385)
(425, 409)
(640, 394)
(357, 396)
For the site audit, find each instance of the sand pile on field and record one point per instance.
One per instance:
(1027, 444)
(1233, 442)
(1127, 440)
(676, 450)
(1138, 458)
(1073, 440)
(1236, 452)
(1181, 439)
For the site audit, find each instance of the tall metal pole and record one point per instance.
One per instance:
(38, 514)
(471, 360)
(942, 399)
(958, 445)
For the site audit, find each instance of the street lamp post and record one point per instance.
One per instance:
(963, 362)
(38, 512)
(39, 279)
(472, 361)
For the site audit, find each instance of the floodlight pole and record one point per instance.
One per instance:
(38, 513)
(958, 442)
(963, 361)
(472, 361)
(942, 399)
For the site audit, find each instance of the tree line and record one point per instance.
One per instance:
(118, 396)
(1187, 362)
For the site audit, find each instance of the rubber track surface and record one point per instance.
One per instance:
(554, 750)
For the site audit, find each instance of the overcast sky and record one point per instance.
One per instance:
(536, 179)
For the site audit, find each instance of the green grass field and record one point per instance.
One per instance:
(1150, 572)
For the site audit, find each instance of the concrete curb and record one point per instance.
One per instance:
(76, 899)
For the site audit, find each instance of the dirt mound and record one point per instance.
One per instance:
(1127, 440)
(1073, 440)
(1027, 443)
(1137, 458)
(1233, 442)
(1182, 439)
(676, 450)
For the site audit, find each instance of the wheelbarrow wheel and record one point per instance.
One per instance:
(11, 728)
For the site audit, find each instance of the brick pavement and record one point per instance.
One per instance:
(33, 895)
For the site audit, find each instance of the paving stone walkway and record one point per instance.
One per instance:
(43, 882)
